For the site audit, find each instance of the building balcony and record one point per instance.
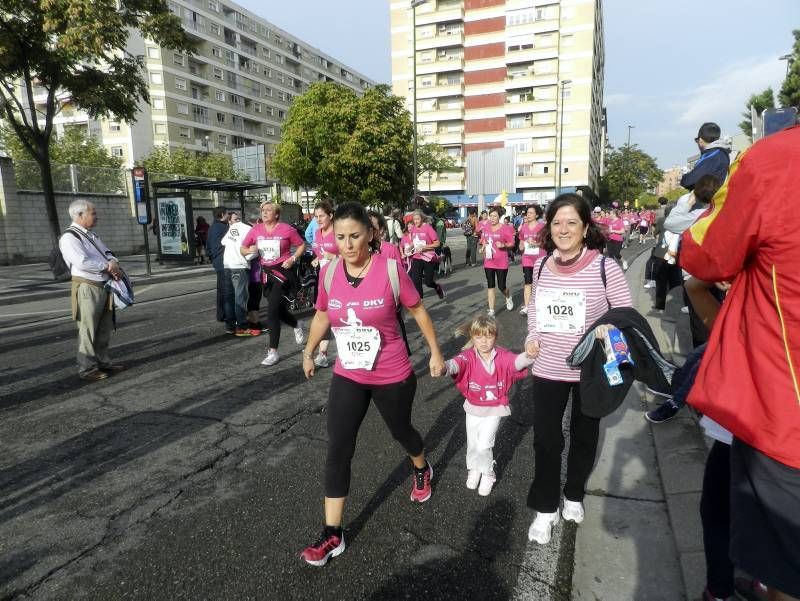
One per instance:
(530, 106)
(531, 54)
(425, 16)
(441, 65)
(441, 40)
(437, 91)
(445, 137)
(439, 115)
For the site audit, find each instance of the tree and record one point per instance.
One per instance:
(74, 51)
(163, 159)
(101, 172)
(790, 90)
(348, 148)
(440, 205)
(630, 171)
(759, 102)
(431, 158)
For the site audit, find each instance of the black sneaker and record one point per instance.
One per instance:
(663, 413)
(439, 291)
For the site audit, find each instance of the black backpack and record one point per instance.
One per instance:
(59, 267)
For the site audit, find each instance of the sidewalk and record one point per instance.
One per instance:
(642, 537)
(25, 283)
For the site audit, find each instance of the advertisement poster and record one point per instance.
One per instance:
(172, 226)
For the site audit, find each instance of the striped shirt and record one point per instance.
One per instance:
(556, 347)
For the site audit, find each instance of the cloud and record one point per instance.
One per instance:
(723, 98)
(612, 100)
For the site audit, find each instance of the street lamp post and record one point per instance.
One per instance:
(788, 58)
(414, 5)
(564, 82)
(627, 158)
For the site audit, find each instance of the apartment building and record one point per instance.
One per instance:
(670, 180)
(489, 74)
(233, 92)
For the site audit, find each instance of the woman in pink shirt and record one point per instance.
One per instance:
(424, 241)
(616, 235)
(273, 241)
(568, 296)
(496, 237)
(325, 250)
(372, 364)
(530, 247)
(388, 250)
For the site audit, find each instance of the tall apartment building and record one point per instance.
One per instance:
(488, 75)
(670, 180)
(233, 92)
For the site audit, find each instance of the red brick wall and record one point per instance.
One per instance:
(482, 146)
(484, 76)
(484, 25)
(484, 101)
(473, 4)
(472, 126)
(484, 51)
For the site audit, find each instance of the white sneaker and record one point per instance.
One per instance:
(524, 310)
(509, 303)
(490, 312)
(649, 284)
(473, 477)
(541, 530)
(487, 482)
(685, 310)
(573, 511)
(321, 360)
(299, 336)
(624, 265)
(272, 358)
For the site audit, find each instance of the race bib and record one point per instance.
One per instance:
(560, 310)
(269, 250)
(357, 347)
(531, 248)
(418, 244)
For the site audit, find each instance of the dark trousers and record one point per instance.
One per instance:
(279, 282)
(667, 277)
(236, 296)
(549, 404)
(614, 249)
(472, 250)
(222, 285)
(423, 270)
(255, 291)
(715, 513)
(348, 402)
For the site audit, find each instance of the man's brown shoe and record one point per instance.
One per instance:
(94, 375)
(113, 369)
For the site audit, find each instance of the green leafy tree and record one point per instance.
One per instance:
(630, 172)
(790, 90)
(431, 158)
(317, 126)
(75, 51)
(440, 205)
(180, 161)
(759, 102)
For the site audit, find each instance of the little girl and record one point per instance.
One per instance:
(484, 373)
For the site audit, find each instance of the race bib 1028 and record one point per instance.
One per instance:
(560, 310)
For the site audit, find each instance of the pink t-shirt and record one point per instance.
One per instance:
(497, 258)
(616, 224)
(426, 235)
(529, 235)
(390, 251)
(371, 304)
(484, 389)
(325, 243)
(274, 245)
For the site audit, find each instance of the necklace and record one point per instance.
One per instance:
(354, 281)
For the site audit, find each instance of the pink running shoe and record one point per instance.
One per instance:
(325, 547)
(421, 490)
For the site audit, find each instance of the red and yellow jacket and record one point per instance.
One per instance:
(749, 380)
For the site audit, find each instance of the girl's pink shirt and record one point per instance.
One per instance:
(504, 234)
(325, 243)
(371, 304)
(284, 232)
(428, 235)
(528, 232)
(479, 387)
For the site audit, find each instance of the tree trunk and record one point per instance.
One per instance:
(43, 159)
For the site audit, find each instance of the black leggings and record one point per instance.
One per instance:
(549, 404)
(501, 278)
(279, 282)
(420, 268)
(614, 249)
(348, 402)
(715, 513)
(254, 292)
(527, 275)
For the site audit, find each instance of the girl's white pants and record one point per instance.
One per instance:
(480, 441)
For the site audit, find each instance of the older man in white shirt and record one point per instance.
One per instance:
(91, 264)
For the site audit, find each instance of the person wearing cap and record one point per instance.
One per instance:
(714, 156)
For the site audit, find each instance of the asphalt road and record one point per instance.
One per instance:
(197, 472)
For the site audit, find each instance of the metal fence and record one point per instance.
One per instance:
(77, 179)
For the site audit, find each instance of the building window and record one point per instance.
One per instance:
(220, 95)
(218, 74)
(220, 117)
(113, 126)
(184, 132)
(268, 91)
(222, 139)
(281, 114)
(214, 28)
(178, 59)
(236, 99)
(180, 84)
(257, 107)
(213, 5)
(156, 77)
(270, 130)
(270, 111)
(216, 51)
(160, 129)
(116, 152)
(158, 104)
(183, 108)
(153, 52)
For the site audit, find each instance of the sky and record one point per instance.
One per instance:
(670, 64)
